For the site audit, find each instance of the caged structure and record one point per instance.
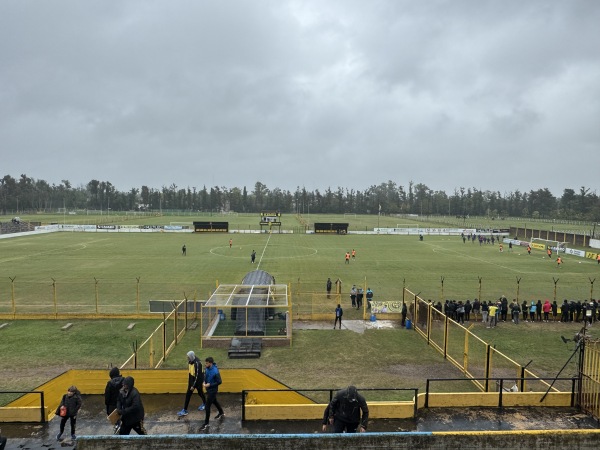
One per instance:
(256, 308)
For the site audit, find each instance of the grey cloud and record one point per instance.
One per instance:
(337, 93)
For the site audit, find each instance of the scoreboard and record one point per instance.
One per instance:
(270, 217)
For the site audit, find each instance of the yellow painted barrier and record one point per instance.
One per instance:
(280, 404)
(93, 382)
(314, 411)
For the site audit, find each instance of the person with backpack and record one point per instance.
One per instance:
(70, 405)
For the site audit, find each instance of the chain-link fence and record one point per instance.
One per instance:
(95, 297)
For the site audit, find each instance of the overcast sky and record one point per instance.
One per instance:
(497, 95)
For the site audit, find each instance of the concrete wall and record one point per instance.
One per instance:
(542, 440)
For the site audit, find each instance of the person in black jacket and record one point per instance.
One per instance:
(325, 419)
(72, 401)
(403, 313)
(195, 380)
(130, 408)
(111, 392)
(345, 411)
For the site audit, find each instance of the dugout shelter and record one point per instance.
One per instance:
(336, 228)
(210, 227)
(257, 307)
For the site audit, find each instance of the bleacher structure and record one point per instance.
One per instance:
(16, 226)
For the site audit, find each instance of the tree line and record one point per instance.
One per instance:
(28, 195)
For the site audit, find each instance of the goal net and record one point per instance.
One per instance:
(180, 224)
(350, 215)
(407, 225)
(543, 244)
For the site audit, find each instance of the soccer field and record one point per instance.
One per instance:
(74, 268)
(78, 268)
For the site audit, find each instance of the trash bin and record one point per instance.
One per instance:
(408, 324)
(221, 314)
(373, 318)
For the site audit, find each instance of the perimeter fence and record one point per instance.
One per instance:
(475, 358)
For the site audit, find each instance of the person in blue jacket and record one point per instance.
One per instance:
(212, 380)
(339, 312)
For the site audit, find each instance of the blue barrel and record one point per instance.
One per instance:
(373, 318)
(221, 314)
(408, 324)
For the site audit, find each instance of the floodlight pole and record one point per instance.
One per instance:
(518, 286)
(591, 288)
(442, 293)
(555, 283)
(479, 287)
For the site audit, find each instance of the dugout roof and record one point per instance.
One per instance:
(240, 295)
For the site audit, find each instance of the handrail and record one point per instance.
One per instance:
(331, 393)
(500, 383)
(42, 404)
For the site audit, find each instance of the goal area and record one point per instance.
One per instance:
(543, 244)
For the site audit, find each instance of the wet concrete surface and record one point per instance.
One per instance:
(161, 418)
(358, 326)
(161, 415)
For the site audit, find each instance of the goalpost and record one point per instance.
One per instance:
(181, 224)
(543, 244)
(407, 225)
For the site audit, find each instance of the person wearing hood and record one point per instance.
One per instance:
(111, 392)
(345, 411)
(72, 402)
(532, 310)
(195, 379)
(130, 408)
(547, 307)
(212, 380)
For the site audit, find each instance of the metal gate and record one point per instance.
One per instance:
(589, 393)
